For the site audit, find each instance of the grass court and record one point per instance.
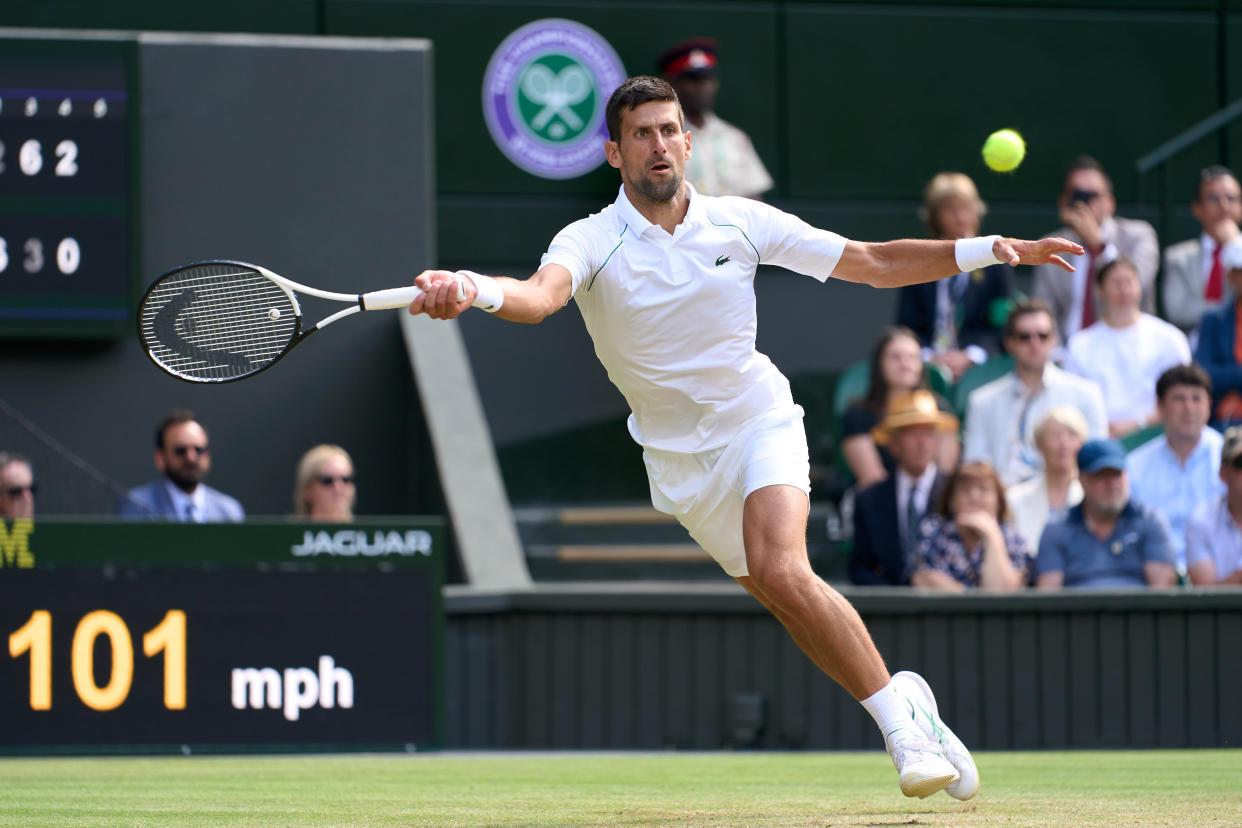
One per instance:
(1063, 789)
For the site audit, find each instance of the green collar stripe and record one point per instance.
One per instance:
(614, 250)
(743, 232)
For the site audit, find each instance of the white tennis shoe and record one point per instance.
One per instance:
(922, 769)
(919, 694)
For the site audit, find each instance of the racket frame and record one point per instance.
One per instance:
(387, 299)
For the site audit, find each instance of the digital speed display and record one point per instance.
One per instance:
(185, 659)
(67, 127)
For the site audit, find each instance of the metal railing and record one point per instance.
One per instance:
(1158, 159)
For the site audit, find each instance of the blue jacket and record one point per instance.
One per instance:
(1215, 350)
(152, 502)
(878, 558)
(976, 323)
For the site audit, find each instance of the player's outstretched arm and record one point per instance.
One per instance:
(516, 300)
(911, 261)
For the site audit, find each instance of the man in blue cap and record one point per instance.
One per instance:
(1108, 540)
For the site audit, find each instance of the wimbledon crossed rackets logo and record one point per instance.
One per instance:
(556, 105)
(544, 94)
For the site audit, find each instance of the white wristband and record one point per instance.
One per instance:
(490, 294)
(974, 253)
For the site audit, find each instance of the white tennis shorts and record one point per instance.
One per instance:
(706, 491)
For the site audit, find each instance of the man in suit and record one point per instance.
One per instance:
(1087, 208)
(958, 320)
(183, 457)
(1217, 349)
(1194, 274)
(887, 513)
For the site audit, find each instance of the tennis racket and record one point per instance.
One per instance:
(221, 320)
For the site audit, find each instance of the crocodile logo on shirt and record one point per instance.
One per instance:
(721, 260)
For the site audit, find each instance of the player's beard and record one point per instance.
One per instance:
(659, 192)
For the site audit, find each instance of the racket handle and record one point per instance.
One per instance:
(397, 297)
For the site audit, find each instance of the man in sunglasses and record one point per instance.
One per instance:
(1087, 210)
(183, 457)
(1001, 416)
(17, 487)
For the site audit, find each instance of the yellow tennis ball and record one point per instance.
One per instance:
(1004, 150)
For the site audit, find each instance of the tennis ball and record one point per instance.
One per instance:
(1004, 150)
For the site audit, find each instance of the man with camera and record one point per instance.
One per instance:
(1087, 209)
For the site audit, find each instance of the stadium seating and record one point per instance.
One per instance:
(978, 376)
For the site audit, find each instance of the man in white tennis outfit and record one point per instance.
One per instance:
(664, 280)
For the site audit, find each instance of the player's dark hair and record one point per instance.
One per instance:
(635, 91)
(1025, 307)
(175, 417)
(1209, 174)
(876, 398)
(1108, 267)
(1188, 374)
(1086, 162)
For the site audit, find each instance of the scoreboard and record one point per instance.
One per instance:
(68, 187)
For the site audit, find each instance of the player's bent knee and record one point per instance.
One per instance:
(782, 579)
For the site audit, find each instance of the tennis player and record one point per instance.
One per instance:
(664, 279)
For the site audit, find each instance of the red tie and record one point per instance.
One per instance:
(1215, 290)
(1088, 296)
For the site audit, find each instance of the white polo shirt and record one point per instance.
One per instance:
(673, 317)
(1126, 362)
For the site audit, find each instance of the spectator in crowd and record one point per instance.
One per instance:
(324, 488)
(1194, 274)
(1108, 540)
(1214, 530)
(1219, 349)
(1126, 351)
(896, 370)
(183, 458)
(1059, 434)
(958, 320)
(1175, 473)
(968, 541)
(17, 486)
(1087, 209)
(722, 161)
(887, 514)
(1001, 416)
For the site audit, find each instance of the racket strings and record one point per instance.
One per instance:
(216, 322)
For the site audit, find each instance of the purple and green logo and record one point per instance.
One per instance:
(544, 95)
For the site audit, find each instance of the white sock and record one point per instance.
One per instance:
(889, 709)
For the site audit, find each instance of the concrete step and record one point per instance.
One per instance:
(633, 541)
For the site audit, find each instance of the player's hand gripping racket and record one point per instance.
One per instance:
(219, 321)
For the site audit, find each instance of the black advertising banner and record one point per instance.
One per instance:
(101, 658)
(365, 543)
